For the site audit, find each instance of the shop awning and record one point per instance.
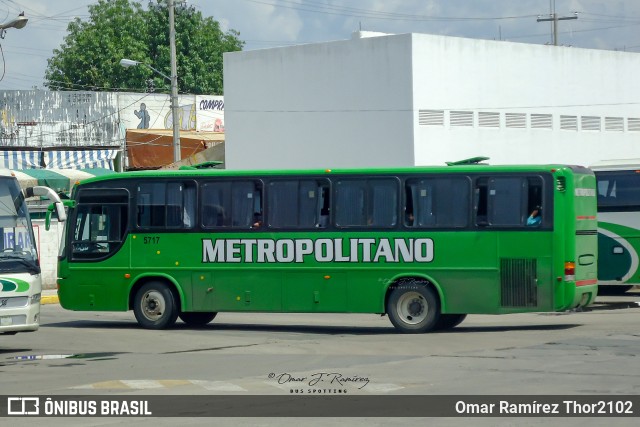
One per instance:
(48, 158)
(59, 180)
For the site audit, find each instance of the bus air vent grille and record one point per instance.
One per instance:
(518, 282)
(561, 183)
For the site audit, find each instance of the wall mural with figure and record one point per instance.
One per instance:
(38, 118)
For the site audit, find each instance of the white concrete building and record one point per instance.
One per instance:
(417, 99)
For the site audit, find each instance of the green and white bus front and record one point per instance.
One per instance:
(20, 278)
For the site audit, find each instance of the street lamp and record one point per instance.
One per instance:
(173, 79)
(18, 23)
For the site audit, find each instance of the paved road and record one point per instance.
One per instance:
(106, 354)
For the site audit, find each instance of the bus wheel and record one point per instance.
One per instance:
(155, 306)
(197, 318)
(448, 321)
(413, 309)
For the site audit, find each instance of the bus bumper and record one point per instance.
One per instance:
(18, 320)
(584, 295)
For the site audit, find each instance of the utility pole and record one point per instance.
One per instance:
(174, 84)
(555, 18)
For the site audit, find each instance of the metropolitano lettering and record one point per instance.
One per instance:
(320, 250)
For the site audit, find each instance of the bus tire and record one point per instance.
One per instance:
(198, 318)
(448, 321)
(155, 306)
(413, 309)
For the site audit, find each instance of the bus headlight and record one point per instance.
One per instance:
(35, 299)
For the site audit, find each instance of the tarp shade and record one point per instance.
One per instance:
(83, 159)
(17, 160)
(59, 180)
(153, 148)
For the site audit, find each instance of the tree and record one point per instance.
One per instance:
(89, 58)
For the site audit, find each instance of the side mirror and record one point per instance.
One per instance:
(51, 195)
(60, 212)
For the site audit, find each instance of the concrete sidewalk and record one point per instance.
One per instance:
(49, 296)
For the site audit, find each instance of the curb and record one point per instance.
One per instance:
(49, 299)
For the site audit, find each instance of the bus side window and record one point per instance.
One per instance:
(370, 203)
(384, 203)
(481, 201)
(507, 197)
(297, 203)
(246, 204)
(534, 199)
(350, 203)
(441, 202)
(324, 206)
(212, 209)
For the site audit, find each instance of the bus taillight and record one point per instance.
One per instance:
(569, 271)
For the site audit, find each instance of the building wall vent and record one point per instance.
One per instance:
(614, 124)
(569, 123)
(633, 124)
(488, 120)
(541, 121)
(431, 117)
(516, 120)
(461, 118)
(590, 123)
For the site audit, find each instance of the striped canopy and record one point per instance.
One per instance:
(61, 159)
(59, 180)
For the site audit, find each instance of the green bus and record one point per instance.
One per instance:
(424, 245)
(618, 186)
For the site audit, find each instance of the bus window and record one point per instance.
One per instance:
(437, 202)
(371, 203)
(165, 204)
(100, 223)
(507, 201)
(297, 203)
(534, 197)
(236, 204)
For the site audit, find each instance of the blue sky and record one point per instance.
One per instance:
(601, 24)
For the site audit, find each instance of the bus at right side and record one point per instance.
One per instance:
(618, 187)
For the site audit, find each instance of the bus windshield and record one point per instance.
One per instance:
(18, 252)
(618, 190)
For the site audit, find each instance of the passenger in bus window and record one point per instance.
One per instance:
(536, 217)
(257, 220)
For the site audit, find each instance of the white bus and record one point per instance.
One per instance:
(20, 275)
(618, 184)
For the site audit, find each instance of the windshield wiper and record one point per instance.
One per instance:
(31, 267)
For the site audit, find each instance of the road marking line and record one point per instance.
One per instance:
(381, 388)
(155, 384)
(142, 384)
(217, 385)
